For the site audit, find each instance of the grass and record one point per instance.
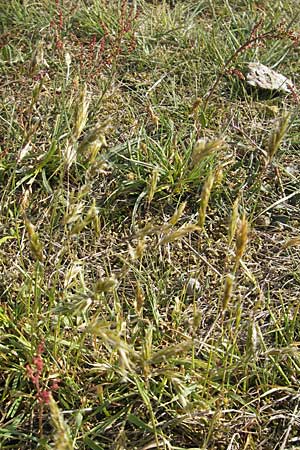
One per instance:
(150, 219)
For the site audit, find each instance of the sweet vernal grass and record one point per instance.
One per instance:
(127, 176)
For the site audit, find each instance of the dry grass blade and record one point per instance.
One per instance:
(233, 221)
(293, 242)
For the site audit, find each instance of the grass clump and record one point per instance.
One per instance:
(149, 216)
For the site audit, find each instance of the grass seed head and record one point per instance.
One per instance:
(25, 199)
(81, 114)
(252, 342)
(180, 233)
(154, 118)
(74, 213)
(195, 107)
(171, 351)
(205, 194)
(238, 313)
(37, 59)
(177, 214)
(229, 283)
(147, 346)
(139, 299)
(94, 140)
(241, 240)
(115, 342)
(72, 274)
(203, 148)
(106, 284)
(219, 176)
(137, 252)
(35, 243)
(277, 136)
(152, 184)
(92, 216)
(69, 155)
(63, 439)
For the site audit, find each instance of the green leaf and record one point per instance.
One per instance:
(6, 238)
(139, 422)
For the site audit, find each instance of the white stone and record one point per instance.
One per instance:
(265, 78)
(193, 286)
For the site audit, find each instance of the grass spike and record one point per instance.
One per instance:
(241, 240)
(204, 199)
(62, 438)
(34, 240)
(277, 136)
